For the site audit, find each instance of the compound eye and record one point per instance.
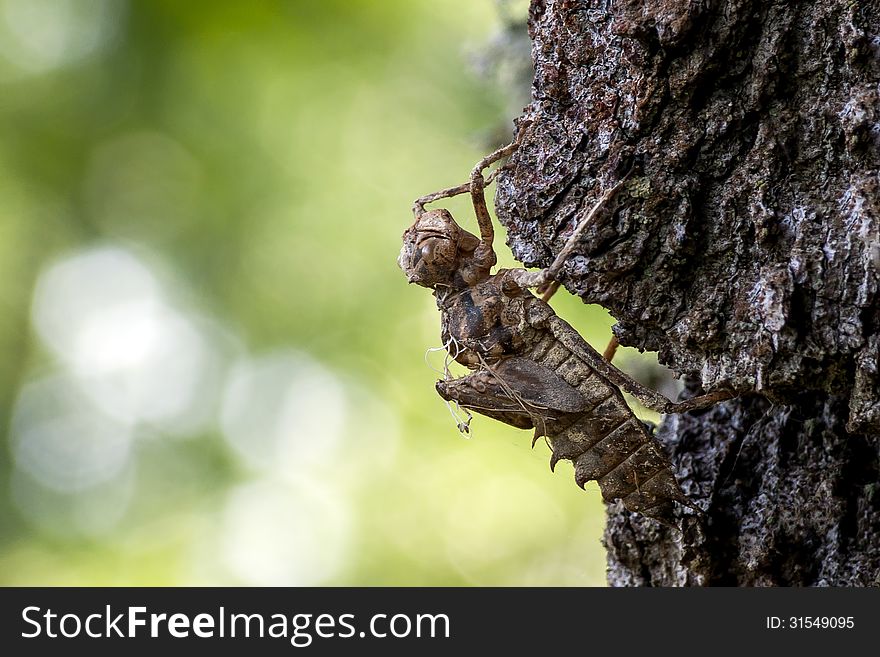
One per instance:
(479, 386)
(428, 251)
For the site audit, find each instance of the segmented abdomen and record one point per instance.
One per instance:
(607, 442)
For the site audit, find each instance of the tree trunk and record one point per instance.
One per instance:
(743, 249)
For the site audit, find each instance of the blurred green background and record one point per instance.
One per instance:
(213, 371)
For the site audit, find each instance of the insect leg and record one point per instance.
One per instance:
(544, 277)
(573, 341)
(527, 279)
(548, 290)
(477, 186)
(553, 270)
(701, 401)
(611, 349)
(420, 203)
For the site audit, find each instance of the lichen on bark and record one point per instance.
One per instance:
(744, 250)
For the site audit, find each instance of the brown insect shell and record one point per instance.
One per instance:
(530, 395)
(482, 393)
(438, 252)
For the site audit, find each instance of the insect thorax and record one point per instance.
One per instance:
(488, 321)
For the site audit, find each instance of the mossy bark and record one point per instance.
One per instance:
(744, 250)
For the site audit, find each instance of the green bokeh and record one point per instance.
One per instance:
(259, 159)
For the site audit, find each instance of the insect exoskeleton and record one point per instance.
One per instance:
(530, 368)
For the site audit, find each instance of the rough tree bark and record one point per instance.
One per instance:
(744, 250)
